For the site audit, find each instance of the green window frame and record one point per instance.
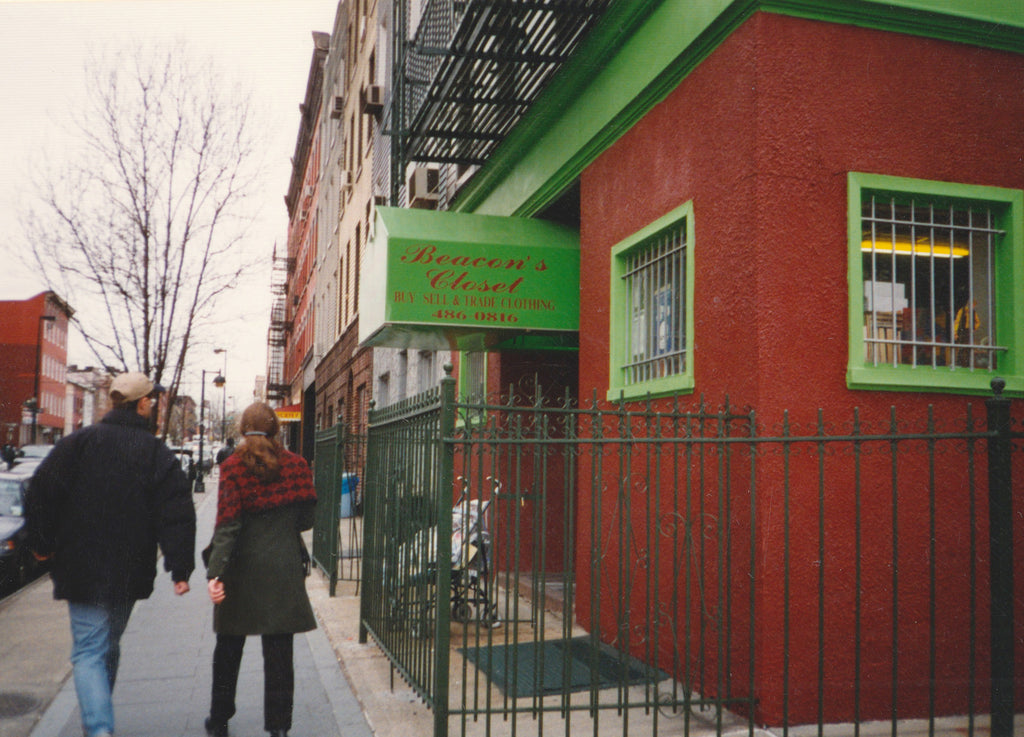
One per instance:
(921, 254)
(651, 308)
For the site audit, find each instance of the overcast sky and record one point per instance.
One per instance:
(265, 44)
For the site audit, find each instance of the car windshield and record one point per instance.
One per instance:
(10, 498)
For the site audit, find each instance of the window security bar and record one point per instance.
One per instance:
(929, 284)
(655, 279)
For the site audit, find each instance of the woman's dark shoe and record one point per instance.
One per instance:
(279, 733)
(215, 730)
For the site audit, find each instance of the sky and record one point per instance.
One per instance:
(266, 45)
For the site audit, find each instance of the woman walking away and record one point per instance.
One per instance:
(256, 568)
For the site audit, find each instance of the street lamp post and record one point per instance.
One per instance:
(224, 397)
(33, 403)
(218, 381)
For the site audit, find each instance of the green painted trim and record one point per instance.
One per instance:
(1009, 292)
(643, 49)
(994, 24)
(619, 313)
(610, 83)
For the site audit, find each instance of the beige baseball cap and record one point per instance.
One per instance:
(133, 385)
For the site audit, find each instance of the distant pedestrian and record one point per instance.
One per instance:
(9, 455)
(228, 449)
(256, 568)
(99, 505)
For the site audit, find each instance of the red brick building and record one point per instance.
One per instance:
(33, 385)
(291, 369)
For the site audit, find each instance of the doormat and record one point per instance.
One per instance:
(557, 666)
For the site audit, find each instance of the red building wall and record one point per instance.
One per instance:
(20, 333)
(761, 137)
(302, 252)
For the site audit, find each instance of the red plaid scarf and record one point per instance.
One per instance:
(240, 491)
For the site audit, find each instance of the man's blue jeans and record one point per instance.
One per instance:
(96, 631)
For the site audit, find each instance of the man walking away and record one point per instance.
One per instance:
(99, 505)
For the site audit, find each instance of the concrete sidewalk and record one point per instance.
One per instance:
(163, 687)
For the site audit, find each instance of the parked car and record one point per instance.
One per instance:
(34, 451)
(17, 564)
(25, 466)
(27, 453)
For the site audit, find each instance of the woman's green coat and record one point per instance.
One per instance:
(258, 556)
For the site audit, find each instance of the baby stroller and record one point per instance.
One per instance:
(471, 561)
(471, 599)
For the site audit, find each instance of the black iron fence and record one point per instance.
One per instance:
(661, 569)
(338, 471)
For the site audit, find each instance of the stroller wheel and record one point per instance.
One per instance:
(461, 612)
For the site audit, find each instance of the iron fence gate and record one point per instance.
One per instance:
(338, 465)
(657, 569)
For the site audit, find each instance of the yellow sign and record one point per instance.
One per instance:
(291, 413)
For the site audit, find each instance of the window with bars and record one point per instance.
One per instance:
(933, 298)
(651, 308)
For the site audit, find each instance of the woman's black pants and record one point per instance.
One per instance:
(278, 679)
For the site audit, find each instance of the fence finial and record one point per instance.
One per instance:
(998, 384)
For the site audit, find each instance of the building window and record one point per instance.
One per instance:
(473, 385)
(932, 288)
(652, 309)
(426, 377)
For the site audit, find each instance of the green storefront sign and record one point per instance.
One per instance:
(443, 280)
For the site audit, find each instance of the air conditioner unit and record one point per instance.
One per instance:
(424, 187)
(373, 100)
(345, 178)
(337, 106)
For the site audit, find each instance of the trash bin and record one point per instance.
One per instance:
(349, 481)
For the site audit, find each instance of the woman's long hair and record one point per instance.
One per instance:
(260, 450)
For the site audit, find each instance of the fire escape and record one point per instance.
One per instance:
(465, 76)
(280, 329)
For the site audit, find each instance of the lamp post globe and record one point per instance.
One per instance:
(224, 394)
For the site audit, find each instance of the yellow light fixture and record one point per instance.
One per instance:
(921, 248)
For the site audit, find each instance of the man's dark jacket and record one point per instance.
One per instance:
(101, 501)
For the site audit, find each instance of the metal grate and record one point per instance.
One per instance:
(474, 67)
(280, 327)
(929, 284)
(655, 279)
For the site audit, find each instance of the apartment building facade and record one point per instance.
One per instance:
(33, 374)
(291, 369)
(357, 77)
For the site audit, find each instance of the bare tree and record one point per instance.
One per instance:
(141, 227)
